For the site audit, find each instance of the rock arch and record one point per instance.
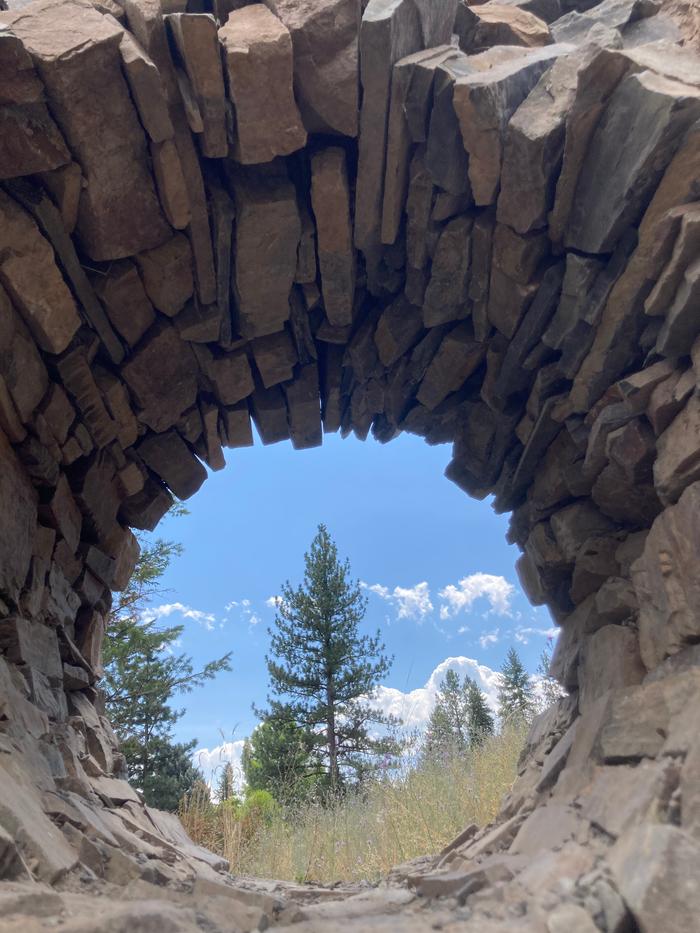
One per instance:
(491, 239)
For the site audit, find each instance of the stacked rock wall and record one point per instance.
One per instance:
(478, 224)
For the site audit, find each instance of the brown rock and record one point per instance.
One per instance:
(604, 206)
(484, 102)
(258, 60)
(197, 43)
(330, 199)
(680, 328)
(171, 183)
(167, 274)
(668, 399)
(533, 147)
(267, 231)
(493, 23)
(65, 184)
(18, 507)
(678, 461)
(29, 273)
(573, 525)
(76, 51)
(275, 358)
(209, 447)
(447, 294)
(122, 293)
(445, 158)
(667, 582)
(162, 376)
(397, 330)
(687, 242)
(21, 368)
(147, 89)
(231, 375)
(304, 405)
(324, 39)
(388, 33)
(411, 86)
(595, 562)
(457, 358)
(62, 513)
(77, 376)
(236, 426)
(609, 659)
(269, 412)
(655, 869)
(172, 460)
(145, 509)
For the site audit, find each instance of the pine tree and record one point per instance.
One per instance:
(224, 788)
(479, 717)
(142, 675)
(448, 726)
(460, 718)
(322, 671)
(516, 699)
(278, 758)
(550, 688)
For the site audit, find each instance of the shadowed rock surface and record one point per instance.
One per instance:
(492, 240)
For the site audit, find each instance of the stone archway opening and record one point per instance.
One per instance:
(490, 240)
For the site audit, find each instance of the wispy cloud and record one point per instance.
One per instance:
(206, 619)
(460, 598)
(410, 602)
(272, 602)
(523, 635)
(244, 609)
(490, 638)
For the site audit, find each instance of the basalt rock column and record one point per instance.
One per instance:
(320, 220)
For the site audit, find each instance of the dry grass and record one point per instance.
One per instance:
(361, 836)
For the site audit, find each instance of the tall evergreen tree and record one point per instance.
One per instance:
(460, 718)
(224, 787)
(479, 717)
(143, 673)
(516, 696)
(550, 688)
(322, 671)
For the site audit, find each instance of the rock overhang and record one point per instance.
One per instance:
(493, 243)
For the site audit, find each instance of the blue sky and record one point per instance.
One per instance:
(440, 576)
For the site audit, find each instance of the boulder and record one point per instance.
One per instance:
(31, 141)
(258, 58)
(304, 408)
(275, 357)
(677, 464)
(18, 506)
(122, 293)
(457, 357)
(609, 659)
(324, 40)
(172, 460)
(76, 51)
(666, 581)
(481, 27)
(31, 278)
(655, 868)
(447, 293)
(162, 375)
(484, 102)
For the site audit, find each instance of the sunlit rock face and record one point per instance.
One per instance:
(477, 224)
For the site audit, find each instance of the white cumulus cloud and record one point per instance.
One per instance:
(205, 619)
(415, 706)
(460, 598)
(410, 602)
(523, 635)
(212, 761)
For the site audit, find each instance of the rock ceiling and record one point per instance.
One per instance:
(492, 239)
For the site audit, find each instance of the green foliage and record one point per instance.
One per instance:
(224, 787)
(322, 670)
(278, 758)
(516, 696)
(460, 718)
(143, 672)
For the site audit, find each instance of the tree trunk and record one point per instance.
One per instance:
(332, 740)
